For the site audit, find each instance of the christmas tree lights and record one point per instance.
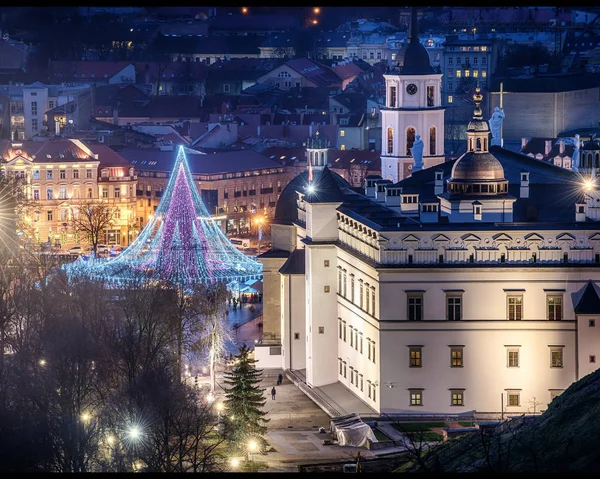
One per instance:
(181, 244)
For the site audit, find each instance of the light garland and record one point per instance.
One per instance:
(181, 244)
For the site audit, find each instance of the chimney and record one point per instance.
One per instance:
(115, 116)
(523, 143)
(439, 182)
(370, 187)
(524, 191)
(562, 146)
(548, 147)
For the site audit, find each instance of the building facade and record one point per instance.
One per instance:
(59, 177)
(468, 287)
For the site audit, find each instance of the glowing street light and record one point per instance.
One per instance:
(110, 440)
(134, 433)
(235, 462)
(252, 448)
(588, 184)
(316, 10)
(244, 10)
(210, 397)
(310, 189)
(85, 417)
(42, 362)
(315, 21)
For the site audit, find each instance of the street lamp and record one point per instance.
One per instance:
(42, 362)
(235, 462)
(134, 433)
(252, 448)
(85, 417)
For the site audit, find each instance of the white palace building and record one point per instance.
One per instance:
(470, 285)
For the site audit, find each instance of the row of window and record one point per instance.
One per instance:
(457, 396)
(64, 214)
(62, 174)
(410, 140)
(356, 339)
(62, 194)
(468, 60)
(454, 309)
(366, 293)
(415, 356)
(467, 73)
(357, 380)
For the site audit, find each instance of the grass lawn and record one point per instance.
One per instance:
(466, 423)
(417, 426)
(425, 436)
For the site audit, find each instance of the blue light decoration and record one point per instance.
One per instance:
(181, 244)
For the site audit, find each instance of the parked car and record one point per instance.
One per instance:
(75, 250)
(100, 249)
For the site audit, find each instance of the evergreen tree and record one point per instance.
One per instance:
(244, 419)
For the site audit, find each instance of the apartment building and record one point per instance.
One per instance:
(57, 177)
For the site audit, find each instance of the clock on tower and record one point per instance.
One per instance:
(411, 88)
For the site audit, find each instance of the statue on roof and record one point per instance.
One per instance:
(417, 153)
(495, 123)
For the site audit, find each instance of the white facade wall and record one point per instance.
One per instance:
(588, 341)
(293, 321)
(484, 375)
(321, 315)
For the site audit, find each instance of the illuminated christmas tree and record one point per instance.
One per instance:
(181, 244)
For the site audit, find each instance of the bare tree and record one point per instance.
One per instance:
(213, 308)
(91, 218)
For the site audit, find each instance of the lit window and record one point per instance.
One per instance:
(475, 73)
(416, 397)
(342, 147)
(457, 397)
(415, 356)
(515, 307)
(342, 132)
(556, 357)
(456, 356)
(483, 73)
(449, 98)
(554, 307)
(458, 73)
(467, 73)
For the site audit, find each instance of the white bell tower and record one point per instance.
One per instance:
(413, 106)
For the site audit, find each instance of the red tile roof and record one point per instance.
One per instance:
(317, 73)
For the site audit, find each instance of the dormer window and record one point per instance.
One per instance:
(438, 175)
(410, 198)
(524, 176)
(429, 208)
(477, 207)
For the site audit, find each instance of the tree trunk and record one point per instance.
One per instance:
(213, 352)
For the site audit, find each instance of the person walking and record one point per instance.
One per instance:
(273, 392)
(279, 379)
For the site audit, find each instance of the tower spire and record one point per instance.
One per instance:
(414, 26)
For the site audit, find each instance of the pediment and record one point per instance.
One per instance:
(440, 237)
(594, 237)
(502, 237)
(19, 160)
(534, 237)
(565, 237)
(410, 238)
(470, 237)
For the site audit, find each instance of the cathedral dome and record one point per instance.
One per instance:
(477, 167)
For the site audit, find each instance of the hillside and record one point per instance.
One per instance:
(563, 438)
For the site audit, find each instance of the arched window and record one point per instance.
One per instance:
(390, 141)
(597, 161)
(485, 145)
(410, 139)
(478, 144)
(322, 158)
(432, 140)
